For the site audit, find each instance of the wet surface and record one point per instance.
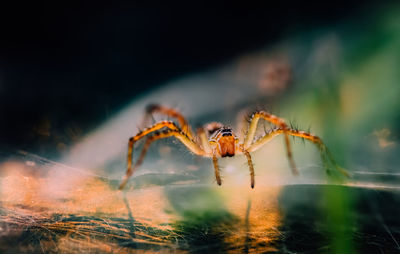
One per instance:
(193, 217)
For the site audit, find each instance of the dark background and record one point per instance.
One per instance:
(66, 67)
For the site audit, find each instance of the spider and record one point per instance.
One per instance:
(215, 140)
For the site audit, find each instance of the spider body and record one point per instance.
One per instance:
(224, 141)
(214, 140)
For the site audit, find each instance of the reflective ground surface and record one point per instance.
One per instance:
(189, 216)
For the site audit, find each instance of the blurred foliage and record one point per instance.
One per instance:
(355, 102)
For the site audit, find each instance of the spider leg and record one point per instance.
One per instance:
(203, 138)
(242, 121)
(141, 134)
(156, 108)
(324, 152)
(172, 130)
(276, 121)
(265, 139)
(167, 124)
(216, 168)
(250, 163)
(210, 146)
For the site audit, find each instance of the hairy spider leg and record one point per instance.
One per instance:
(242, 122)
(324, 152)
(172, 130)
(250, 163)
(278, 122)
(203, 138)
(156, 108)
(155, 127)
(216, 168)
(265, 139)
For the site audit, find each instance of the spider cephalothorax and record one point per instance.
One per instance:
(224, 142)
(215, 140)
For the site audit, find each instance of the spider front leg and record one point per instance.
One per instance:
(276, 121)
(216, 169)
(172, 130)
(203, 139)
(250, 163)
(156, 108)
(210, 147)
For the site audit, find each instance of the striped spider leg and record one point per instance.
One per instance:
(276, 121)
(170, 129)
(326, 156)
(160, 109)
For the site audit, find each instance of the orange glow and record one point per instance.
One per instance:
(259, 216)
(89, 213)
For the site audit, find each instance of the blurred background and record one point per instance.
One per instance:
(74, 82)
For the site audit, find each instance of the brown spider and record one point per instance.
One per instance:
(215, 140)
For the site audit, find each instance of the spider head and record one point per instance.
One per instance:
(226, 141)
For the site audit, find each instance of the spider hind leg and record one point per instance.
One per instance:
(326, 156)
